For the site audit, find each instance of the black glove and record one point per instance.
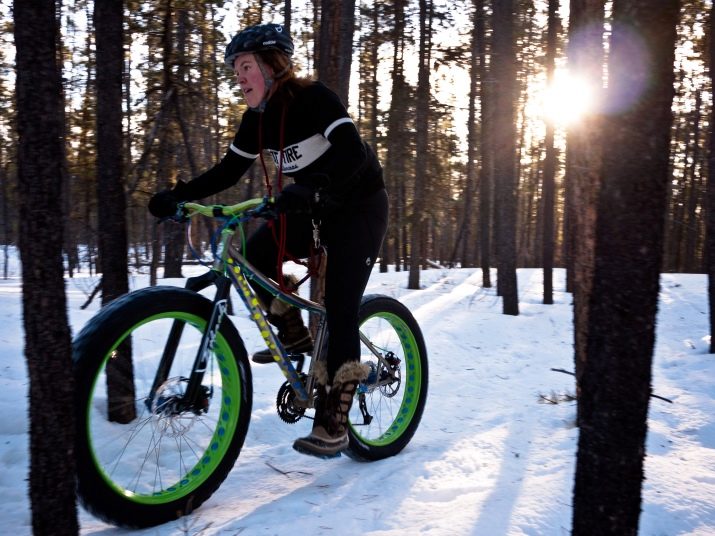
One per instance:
(295, 199)
(165, 203)
(266, 210)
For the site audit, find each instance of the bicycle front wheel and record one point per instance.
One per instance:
(389, 404)
(145, 457)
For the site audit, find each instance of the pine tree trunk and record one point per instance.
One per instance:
(504, 138)
(397, 143)
(464, 230)
(547, 258)
(486, 171)
(337, 24)
(710, 192)
(173, 234)
(47, 336)
(616, 381)
(108, 20)
(5, 207)
(585, 54)
(334, 61)
(417, 219)
(694, 190)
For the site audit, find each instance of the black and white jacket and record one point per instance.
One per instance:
(308, 131)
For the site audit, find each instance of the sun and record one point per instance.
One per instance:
(567, 99)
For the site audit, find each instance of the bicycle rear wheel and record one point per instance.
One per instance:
(157, 460)
(389, 404)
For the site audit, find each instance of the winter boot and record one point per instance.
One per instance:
(329, 436)
(320, 376)
(291, 331)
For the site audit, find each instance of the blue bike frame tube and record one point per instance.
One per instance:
(235, 269)
(252, 274)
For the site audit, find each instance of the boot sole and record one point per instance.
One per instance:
(316, 454)
(319, 448)
(265, 359)
(264, 356)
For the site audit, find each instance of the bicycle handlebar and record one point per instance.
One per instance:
(213, 211)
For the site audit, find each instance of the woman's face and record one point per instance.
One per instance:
(250, 78)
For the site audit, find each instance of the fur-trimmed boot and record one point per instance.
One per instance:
(329, 436)
(292, 331)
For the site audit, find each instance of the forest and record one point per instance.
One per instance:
(512, 133)
(180, 110)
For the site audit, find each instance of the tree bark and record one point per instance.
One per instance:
(5, 207)
(397, 144)
(417, 227)
(108, 21)
(585, 53)
(47, 335)
(710, 193)
(334, 61)
(337, 24)
(486, 171)
(616, 381)
(173, 234)
(464, 230)
(694, 190)
(548, 239)
(504, 138)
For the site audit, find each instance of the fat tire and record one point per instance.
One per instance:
(91, 348)
(415, 379)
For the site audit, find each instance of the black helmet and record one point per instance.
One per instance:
(257, 38)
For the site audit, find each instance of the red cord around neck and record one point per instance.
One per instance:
(281, 237)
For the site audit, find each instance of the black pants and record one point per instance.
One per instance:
(353, 238)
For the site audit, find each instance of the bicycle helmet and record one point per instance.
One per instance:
(257, 38)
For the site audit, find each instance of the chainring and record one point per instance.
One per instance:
(288, 411)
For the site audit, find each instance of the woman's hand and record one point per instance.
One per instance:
(295, 199)
(165, 204)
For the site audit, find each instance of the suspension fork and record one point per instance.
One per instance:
(220, 305)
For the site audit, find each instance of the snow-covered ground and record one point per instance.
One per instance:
(491, 457)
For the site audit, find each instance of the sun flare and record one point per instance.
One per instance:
(567, 99)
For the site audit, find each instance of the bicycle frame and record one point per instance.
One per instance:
(173, 454)
(241, 272)
(231, 268)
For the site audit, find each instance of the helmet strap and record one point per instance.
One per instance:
(283, 72)
(268, 81)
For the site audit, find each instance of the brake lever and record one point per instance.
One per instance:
(181, 216)
(265, 210)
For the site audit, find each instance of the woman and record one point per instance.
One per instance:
(337, 182)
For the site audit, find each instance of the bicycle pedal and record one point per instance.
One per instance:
(299, 361)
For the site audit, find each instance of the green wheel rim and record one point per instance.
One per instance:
(412, 383)
(222, 435)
